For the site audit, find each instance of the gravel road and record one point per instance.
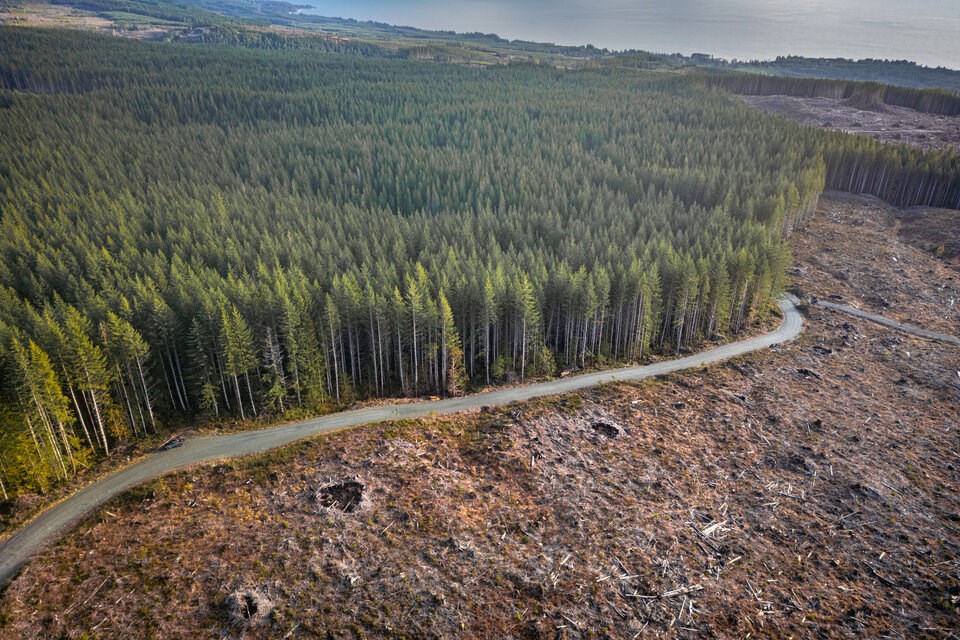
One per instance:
(52, 523)
(887, 322)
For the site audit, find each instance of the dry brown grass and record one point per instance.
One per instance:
(868, 252)
(31, 14)
(891, 124)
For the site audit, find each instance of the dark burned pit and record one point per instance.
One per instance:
(248, 607)
(606, 429)
(345, 496)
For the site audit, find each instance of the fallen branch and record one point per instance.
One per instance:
(679, 591)
(72, 607)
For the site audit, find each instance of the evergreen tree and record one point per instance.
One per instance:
(238, 352)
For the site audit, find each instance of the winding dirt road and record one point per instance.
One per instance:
(18, 549)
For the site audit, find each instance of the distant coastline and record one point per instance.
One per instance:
(924, 31)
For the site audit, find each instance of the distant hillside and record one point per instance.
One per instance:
(277, 24)
(169, 12)
(896, 72)
(290, 14)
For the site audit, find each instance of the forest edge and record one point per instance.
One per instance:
(18, 549)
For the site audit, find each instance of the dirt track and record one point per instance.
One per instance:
(887, 322)
(18, 549)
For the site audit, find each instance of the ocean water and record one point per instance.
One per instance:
(925, 31)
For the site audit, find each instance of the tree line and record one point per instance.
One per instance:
(936, 101)
(893, 72)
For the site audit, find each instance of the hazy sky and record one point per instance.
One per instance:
(926, 31)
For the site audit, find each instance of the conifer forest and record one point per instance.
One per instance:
(213, 232)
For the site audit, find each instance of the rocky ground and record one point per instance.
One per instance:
(884, 122)
(807, 491)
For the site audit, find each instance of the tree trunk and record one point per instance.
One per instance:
(146, 396)
(523, 357)
(236, 386)
(176, 383)
(83, 422)
(250, 392)
(99, 418)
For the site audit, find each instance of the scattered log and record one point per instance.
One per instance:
(679, 591)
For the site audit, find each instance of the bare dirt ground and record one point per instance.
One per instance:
(886, 123)
(933, 230)
(65, 16)
(807, 491)
(47, 15)
(879, 259)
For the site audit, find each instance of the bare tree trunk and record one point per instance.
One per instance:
(176, 383)
(99, 421)
(66, 446)
(183, 384)
(523, 357)
(236, 386)
(166, 379)
(416, 369)
(126, 402)
(51, 436)
(400, 358)
(36, 442)
(383, 380)
(146, 396)
(96, 412)
(83, 423)
(136, 397)
(486, 342)
(336, 368)
(223, 380)
(250, 392)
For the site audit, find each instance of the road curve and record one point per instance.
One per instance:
(887, 322)
(17, 550)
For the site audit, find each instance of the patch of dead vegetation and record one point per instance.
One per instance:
(32, 14)
(747, 499)
(249, 607)
(935, 231)
(866, 117)
(854, 249)
(346, 496)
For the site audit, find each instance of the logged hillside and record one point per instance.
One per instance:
(800, 492)
(936, 101)
(207, 231)
(900, 175)
(901, 73)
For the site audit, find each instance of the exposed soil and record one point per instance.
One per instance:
(808, 491)
(866, 252)
(75, 17)
(50, 15)
(249, 607)
(882, 122)
(346, 496)
(936, 231)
